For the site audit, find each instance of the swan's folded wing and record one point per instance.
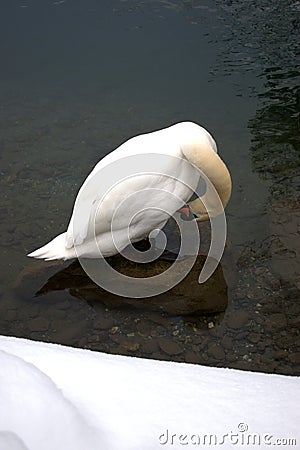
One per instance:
(78, 227)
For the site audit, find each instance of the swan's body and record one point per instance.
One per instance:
(54, 397)
(183, 143)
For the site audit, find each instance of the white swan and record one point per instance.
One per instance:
(181, 144)
(54, 397)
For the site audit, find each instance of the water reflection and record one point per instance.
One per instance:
(276, 132)
(276, 157)
(260, 34)
(263, 38)
(275, 149)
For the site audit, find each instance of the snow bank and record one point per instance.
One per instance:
(60, 398)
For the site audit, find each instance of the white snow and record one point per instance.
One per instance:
(10, 441)
(60, 398)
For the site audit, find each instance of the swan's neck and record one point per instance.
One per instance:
(212, 166)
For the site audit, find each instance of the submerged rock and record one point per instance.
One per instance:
(188, 297)
(237, 319)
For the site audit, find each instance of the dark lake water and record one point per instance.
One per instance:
(78, 78)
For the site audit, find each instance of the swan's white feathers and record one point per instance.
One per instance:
(94, 214)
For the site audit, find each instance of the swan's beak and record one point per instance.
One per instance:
(186, 213)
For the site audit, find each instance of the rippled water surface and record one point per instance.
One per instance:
(78, 78)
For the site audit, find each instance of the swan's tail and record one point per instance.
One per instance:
(55, 249)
